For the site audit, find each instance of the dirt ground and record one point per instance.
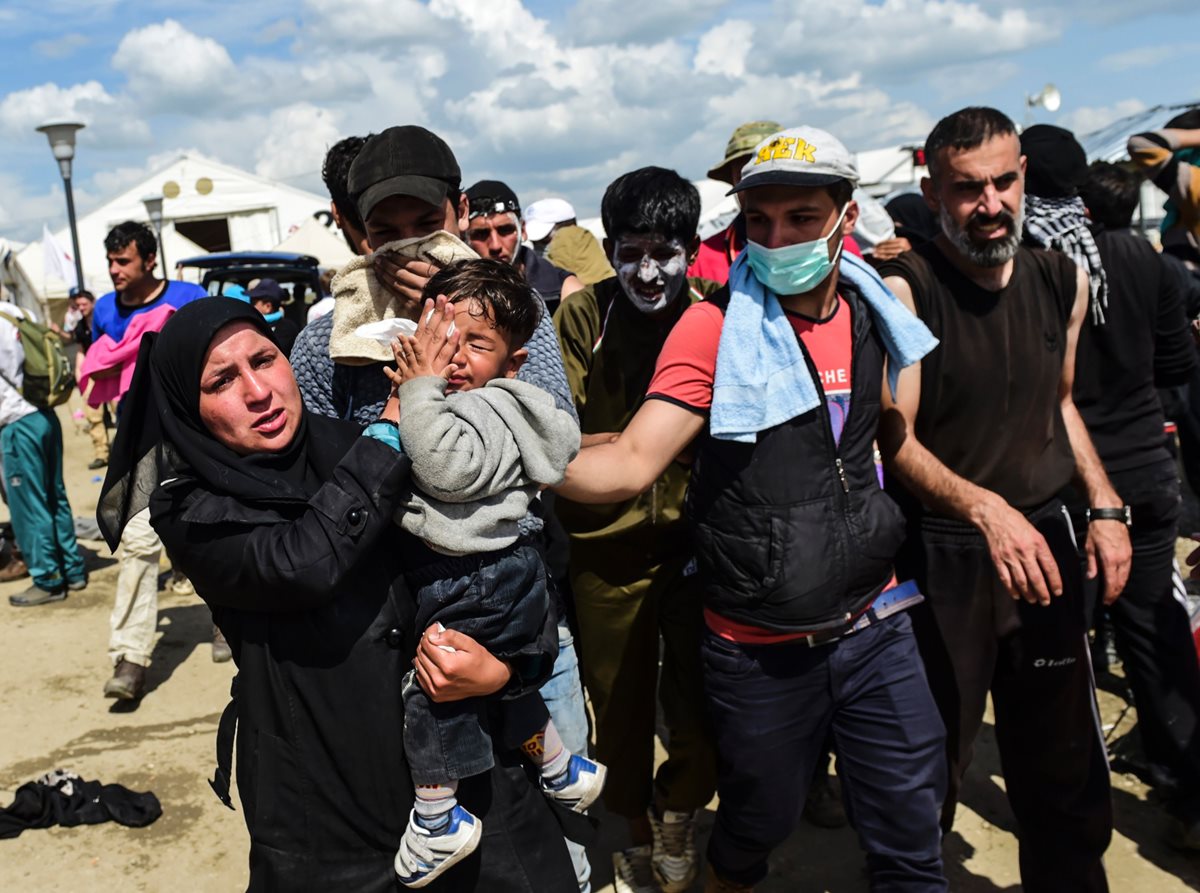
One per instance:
(52, 714)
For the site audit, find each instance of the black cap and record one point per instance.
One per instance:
(492, 197)
(1055, 164)
(267, 290)
(406, 160)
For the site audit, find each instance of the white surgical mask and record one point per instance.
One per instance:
(652, 281)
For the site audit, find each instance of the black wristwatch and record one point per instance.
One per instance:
(1121, 514)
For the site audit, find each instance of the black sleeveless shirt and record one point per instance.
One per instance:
(990, 405)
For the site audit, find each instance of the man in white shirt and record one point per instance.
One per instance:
(32, 448)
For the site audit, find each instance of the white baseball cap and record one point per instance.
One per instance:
(798, 156)
(542, 216)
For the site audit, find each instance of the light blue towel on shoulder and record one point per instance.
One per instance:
(762, 379)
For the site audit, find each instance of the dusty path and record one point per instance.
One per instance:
(52, 714)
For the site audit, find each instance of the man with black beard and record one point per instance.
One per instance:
(983, 437)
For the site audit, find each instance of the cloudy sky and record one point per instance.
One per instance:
(555, 98)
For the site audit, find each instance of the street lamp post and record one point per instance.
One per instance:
(61, 135)
(154, 211)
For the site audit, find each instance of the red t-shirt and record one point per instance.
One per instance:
(684, 375)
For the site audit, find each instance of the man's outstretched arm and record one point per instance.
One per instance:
(630, 464)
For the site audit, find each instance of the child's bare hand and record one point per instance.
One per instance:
(431, 350)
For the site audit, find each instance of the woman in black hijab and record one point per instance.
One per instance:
(283, 521)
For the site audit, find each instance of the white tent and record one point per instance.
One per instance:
(315, 238)
(207, 206)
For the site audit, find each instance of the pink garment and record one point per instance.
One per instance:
(108, 354)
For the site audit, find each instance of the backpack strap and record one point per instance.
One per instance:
(226, 728)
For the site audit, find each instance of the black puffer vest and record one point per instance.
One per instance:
(793, 533)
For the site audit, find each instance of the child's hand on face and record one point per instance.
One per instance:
(431, 350)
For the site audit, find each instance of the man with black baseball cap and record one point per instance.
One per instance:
(495, 229)
(406, 184)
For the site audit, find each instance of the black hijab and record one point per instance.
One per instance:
(161, 434)
(913, 218)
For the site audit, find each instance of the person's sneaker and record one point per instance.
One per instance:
(128, 682)
(580, 786)
(713, 883)
(15, 569)
(97, 463)
(632, 872)
(78, 585)
(673, 858)
(181, 585)
(823, 806)
(221, 652)
(426, 855)
(36, 595)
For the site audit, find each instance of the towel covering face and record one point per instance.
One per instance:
(360, 298)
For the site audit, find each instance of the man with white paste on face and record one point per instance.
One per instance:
(774, 383)
(630, 567)
(495, 229)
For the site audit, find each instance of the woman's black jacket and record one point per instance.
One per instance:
(311, 598)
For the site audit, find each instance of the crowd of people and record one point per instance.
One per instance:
(811, 489)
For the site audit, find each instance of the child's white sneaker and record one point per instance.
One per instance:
(579, 786)
(425, 855)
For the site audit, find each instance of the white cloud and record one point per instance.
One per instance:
(63, 46)
(1147, 57)
(166, 64)
(1088, 119)
(293, 141)
(637, 21)
(723, 49)
(109, 120)
(897, 37)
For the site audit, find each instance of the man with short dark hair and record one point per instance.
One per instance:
(83, 302)
(980, 439)
(334, 171)
(132, 256)
(1143, 342)
(630, 566)
(405, 183)
(495, 229)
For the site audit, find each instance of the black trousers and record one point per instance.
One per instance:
(1153, 633)
(975, 638)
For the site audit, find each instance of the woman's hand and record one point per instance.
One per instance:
(467, 670)
(430, 350)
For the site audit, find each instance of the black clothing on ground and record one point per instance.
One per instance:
(545, 278)
(63, 798)
(975, 638)
(1144, 342)
(990, 409)
(807, 549)
(284, 332)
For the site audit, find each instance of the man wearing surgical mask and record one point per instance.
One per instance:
(773, 384)
(630, 566)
